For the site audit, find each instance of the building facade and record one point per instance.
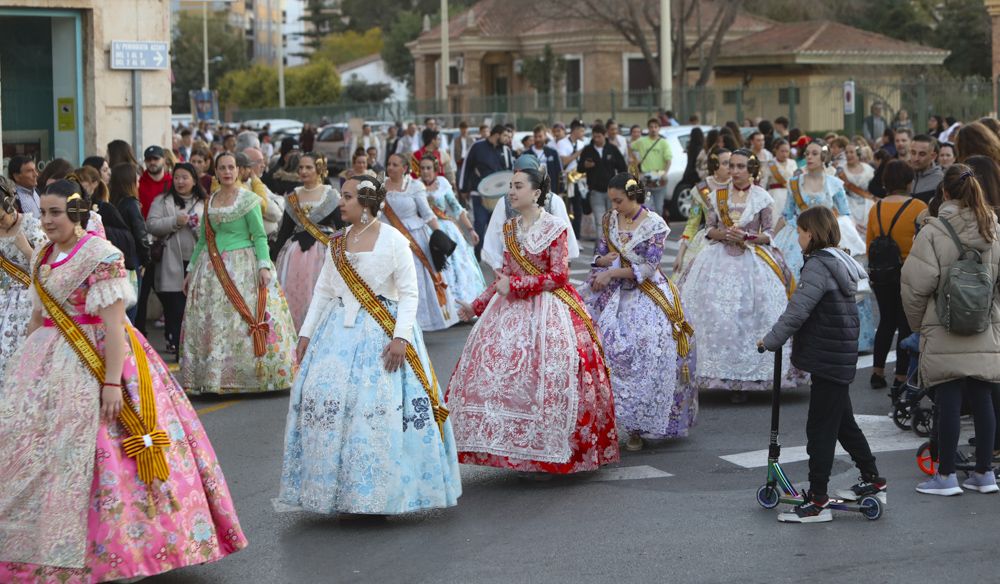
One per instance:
(263, 23)
(59, 96)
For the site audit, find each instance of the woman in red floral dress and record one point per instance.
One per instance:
(531, 391)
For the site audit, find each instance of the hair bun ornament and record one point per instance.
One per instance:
(74, 197)
(366, 184)
(966, 174)
(631, 183)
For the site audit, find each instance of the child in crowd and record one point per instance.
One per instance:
(822, 315)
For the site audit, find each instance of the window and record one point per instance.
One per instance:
(785, 95)
(639, 87)
(730, 96)
(574, 80)
(454, 77)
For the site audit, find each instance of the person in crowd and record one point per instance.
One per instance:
(600, 161)
(120, 152)
(484, 158)
(728, 140)
(547, 156)
(694, 238)
(902, 120)
(100, 164)
(653, 157)
(409, 142)
(391, 143)
(286, 179)
(173, 220)
(373, 163)
(737, 133)
(228, 144)
(946, 155)
(367, 430)
(359, 167)
(307, 138)
(888, 142)
(695, 147)
(701, 163)
(856, 176)
(531, 390)
(55, 170)
(935, 125)
(20, 235)
(756, 141)
(311, 216)
(634, 135)
(976, 138)
(116, 229)
(641, 319)
(92, 491)
(991, 123)
(615, 136)
(881, 159)
(892, 223)
(23, 172)
(461, 144)
(236, 313)
(431, 140)
(777, 172)
(463, 275)
(987, 172)
(822, 317)
(902, 140)
(954, 363)
(741, 285)
(406, 208)
(781, 128)
(124, 196)
(838, 152)
(288, 148)
(202, 161)
(926, 172)
(767, 129)
(155, 180)
(951, 129)
(272, 205)
(874, 126)
(570, 148)
(186, 145)
(367, 139)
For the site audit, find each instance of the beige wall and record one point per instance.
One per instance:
(107, 94)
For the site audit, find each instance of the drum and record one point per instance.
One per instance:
(495, 187)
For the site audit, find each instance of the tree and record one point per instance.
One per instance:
(358, 91)
(322, 18)
(252, 88)
(226, 52)
(398, 60)
(257, 87)
(340, 48)
(964, 30)
(314, 83)
(544, 71)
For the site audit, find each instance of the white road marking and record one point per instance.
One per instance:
(628, 473)
(882, 434)
(866, 361)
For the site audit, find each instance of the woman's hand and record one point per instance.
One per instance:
(300, 350)
(502, 283)
(182, 218)
(605, 261)
(111, 403)
(394, 354)
(601, 281)
(473, 237)
(264, 274)
(679, 260)
(465, 312)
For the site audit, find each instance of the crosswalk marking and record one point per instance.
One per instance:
(628, 473)
(881, 432)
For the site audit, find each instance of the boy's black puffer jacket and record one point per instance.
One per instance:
(823, 317)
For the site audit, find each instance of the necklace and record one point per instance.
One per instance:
(356, 237)
(629, 222)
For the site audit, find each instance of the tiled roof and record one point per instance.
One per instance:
(350, 65)
(825, 38)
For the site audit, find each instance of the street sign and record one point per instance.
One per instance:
(849, 95)
(150, 55)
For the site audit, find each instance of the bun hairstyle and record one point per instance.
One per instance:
(627, 183)
(430, 156)
(77, 200)
(753, 165)
(371, 193)
(319, 161)
(824, 149)
(713, 158)
(538, 176)
(8, 196)
(961, 185)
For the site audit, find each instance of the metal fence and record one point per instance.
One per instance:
(816, 106)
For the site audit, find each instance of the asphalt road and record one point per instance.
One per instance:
(674, 512)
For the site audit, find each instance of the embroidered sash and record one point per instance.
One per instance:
(723, 202)
(145, 442)
(15, 271)
(682, 330)
(510, 238)
(797, 194)
(778, 179)
(842, 175)
(384, 318)
(439, 284)
(306, 222)
(440, 214)
(258, 325)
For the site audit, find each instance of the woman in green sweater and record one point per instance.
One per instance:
(238, 335)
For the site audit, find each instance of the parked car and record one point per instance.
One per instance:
(334, 140)
(677, 137)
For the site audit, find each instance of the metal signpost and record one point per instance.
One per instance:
(138, 56)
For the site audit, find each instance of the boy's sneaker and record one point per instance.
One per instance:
(940, 485)
(865, 487)
(808, 511)
(984, 483)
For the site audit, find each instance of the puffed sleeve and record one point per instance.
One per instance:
(323, 294)
(404, 273)
(423, 207)
(109, 283)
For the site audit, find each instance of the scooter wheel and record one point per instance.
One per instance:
(926, 461)
(922, 422)
(871, 508)
(767, 497)
(901, 416)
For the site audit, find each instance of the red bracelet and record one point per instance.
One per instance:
(106, 384)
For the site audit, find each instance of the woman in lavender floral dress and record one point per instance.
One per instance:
(647, 342)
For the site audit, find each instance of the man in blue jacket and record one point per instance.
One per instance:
(484, 158)
(547, 155)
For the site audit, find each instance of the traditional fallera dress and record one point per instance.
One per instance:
(463, 275)
(531, 390)
(299, 259)
(360, 439)
(15, 284)
(648, 343)
(694, 229)
(231, 341)
(408, 211)
(860, 202)
(83, 501)
(775, 179)
(734, 296)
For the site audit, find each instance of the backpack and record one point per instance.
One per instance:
(885, 260)
(965, 294)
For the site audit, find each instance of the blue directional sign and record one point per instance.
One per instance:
(139, 55)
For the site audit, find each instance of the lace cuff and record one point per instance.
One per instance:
(104, 293)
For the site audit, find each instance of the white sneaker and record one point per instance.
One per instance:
(940, 485)
(983, 482)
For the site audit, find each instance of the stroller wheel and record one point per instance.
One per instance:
(926, 461)
(767, 497)
(901, 416)
(922, 422)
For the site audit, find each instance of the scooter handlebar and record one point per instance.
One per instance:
(761, 349)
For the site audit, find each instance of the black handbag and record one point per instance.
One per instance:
(441, 249)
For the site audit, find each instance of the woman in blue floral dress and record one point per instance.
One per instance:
(648, 344)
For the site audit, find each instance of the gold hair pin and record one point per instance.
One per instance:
(73, 197)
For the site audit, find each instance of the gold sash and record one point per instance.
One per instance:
(306, 222)
(439, 284)
(15, 271)
(145, 443)
(682, 330)
(723, 202)
(385, 319)
(776, 176)
(797, 194)
(842, 175)
(510, 238)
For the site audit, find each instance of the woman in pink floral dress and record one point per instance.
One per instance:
(74, 507)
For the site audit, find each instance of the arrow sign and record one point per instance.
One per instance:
(147, 55)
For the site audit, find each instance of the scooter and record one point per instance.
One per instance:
(778, 488)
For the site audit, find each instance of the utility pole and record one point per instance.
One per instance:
(204, 40)
(445, 73)
(280, 52)
(666, 56)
